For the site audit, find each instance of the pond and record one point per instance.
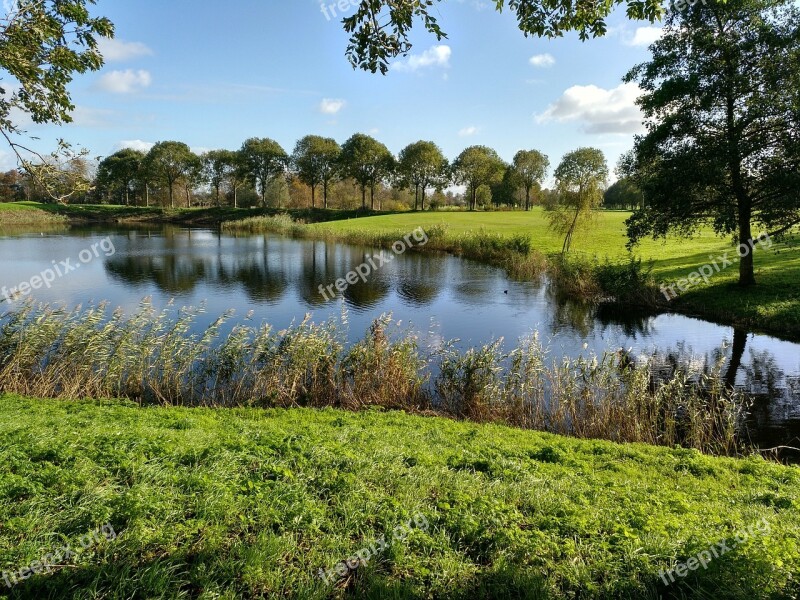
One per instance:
(436, 295)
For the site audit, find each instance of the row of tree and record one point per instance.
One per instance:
(263, 166)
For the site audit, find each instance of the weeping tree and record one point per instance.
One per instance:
(580, 180)
(722, 98)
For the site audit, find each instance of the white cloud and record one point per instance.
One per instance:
(645, 36)
(117, 51)
(598, 109)
(468, 131)
(435, 56)
(542, 61)
(331, 106)
(140, 145)
(125, 82)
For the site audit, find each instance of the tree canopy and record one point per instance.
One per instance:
(722, 98)
(380, 29)
(422, 165)
(316, 160)
(367, 161)
(477, 166)
(530, 168)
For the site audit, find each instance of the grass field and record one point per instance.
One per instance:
(773, 305)
(251, 503)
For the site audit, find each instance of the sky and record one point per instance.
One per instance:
(213, 74)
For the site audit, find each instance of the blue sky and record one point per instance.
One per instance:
(214, 74)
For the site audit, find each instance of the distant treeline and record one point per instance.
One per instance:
(318, 173)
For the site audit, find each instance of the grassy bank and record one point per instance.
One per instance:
(17, 215)
(599, 265)
(152, 358)
(190, 217)
(250, 503)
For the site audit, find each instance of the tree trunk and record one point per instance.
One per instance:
(313, 196)
(364, 197)
(416, 196)
(325, 195)
(568, 238)
(423, 198)
(746, 269)
(372, 197)
(171, 197)
(527, 198)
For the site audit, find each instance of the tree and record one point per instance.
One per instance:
(368, 162)
(380, 29)
(475, 167)
(43, 44)
(530, 167)
(264, 160)
(169, 163)
(219, 168)
(722, 98)
(422, 165)
(580, 178)
(119, 173)
(316, 160)
(623, 194)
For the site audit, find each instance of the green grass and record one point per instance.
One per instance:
(250, 503)
(773, 305)
(17, 215)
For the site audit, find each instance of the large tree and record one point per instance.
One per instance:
(530, 167)
(264, 160)
(379, 29)
(422, 165)
(580, 178)
(368, 162)
(316, 160)
(219, 168)
(169, 163)
(722, 95)
(119, 173)
(477, 166)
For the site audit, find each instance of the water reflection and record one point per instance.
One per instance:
(440, 296)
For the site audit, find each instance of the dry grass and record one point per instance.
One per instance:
(153, 357)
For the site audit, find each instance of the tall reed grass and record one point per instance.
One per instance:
(162, 357)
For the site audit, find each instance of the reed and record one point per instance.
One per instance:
(162, 357)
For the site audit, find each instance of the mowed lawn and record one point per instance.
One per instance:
(252, 503)
(774, 303)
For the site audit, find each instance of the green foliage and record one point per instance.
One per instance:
(316, 160)
(249, 503)
(168, 163)
(722, 93)
(368, 162)
(422, 165)
(264, 161)
(530, 168)
(623, 194)
(580, 178)
(475, 167)
(372, 46)
(43, 44)
(119, 174)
